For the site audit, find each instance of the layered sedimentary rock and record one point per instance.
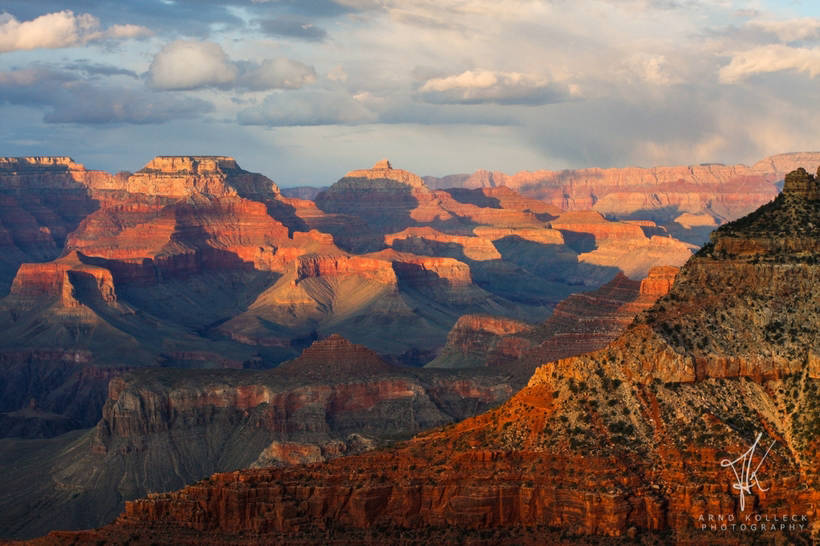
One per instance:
(719, 192)
(426, 240)
(475, 251)
(111, 294)
(63, 278)
(632, 439)
(182, 216)
(42, 199)
(181, 176)
(383, 299)
(48, 392)
(619, 244)
(476, 340)
(387, 200)
(162, 429)
(315, 266)
(580, 324)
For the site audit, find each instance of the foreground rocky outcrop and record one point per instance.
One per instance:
(623, 442)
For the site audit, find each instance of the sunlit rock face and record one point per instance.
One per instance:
(670, 196)
(42, 200)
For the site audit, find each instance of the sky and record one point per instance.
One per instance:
(305, 90)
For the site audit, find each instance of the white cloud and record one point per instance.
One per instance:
(771, 58)
(653, 69)
(124, 32)
(279, 73)
(60, 29)
(337, 74)
(190, 64)
(485, 86)
(790, 30)
(186, 64)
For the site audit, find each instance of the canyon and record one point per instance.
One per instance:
(191, 318)
(193, 262)
(622, 443)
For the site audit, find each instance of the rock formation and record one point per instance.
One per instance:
(42, 199)
(201, 222)
(477, 340)
(582, 323)
(619, 244)
(718, 191)
(624, 442)
(182, 176)
(162, 429)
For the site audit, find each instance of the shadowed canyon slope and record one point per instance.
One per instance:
(164, 428)
(620, 442)
(582, 323)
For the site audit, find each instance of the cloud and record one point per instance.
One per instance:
(307, 108)
(124, 32)
(337, 74)
(70, 99)
(187, 64)
(771, 58)
(338, 107)
(484, 86)
(99, 69)
(279, 73)
(652, 69)
(790, 30)
(190, 64)
(292, 28)
(60, 29)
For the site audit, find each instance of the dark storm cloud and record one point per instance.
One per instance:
(291, 27)
(68, 98)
